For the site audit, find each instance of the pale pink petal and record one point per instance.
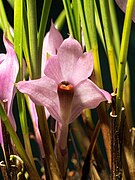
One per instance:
(40, 90)
(47, 114)
(51, 43)
(8, 73)
(83, 68)
(87, 95)
(53, 70)
(43, 92)
(11, 117)
(122, 5)
(68, 55)
(2, 57)
(33, 112)
(34, 117)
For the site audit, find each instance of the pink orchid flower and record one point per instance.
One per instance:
(122, 5)
(65, 89)
(8, 72)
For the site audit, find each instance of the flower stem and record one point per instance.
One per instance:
(26, 48)
(32, 26)
(50, 159)
(123, 57)
(114, 28)
(71, 15)
(24, 126)
(104, 7)
(18, 44)
(42, 27)
(4, 22)
(61, 148)
(18, 34)
(86, 166)
(84, 25)
(92, 39)
(99, 26)
(90, 23)
(126, 99)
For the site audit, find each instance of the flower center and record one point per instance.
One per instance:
(65, 93)
(65, 86)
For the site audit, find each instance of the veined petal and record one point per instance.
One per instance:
(68, 55)
(87, 95)
(11, 117)
(33, 112)
(51, 44)
(43, 92)
(53, 69)
(90, 95)
(83, 68)
(8, 72)
(40, 90)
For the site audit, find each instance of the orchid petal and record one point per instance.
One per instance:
(65, 89)
(51, 44)
(90, 95)
(11, 118)
(33, 113)
(83, 68)
(87, 95)
(34, 117)
(68, 55)
(8, 72)
(2, 57)
(53, 69)
(42, 92)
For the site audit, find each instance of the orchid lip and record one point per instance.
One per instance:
(65, 86)
(65, 93)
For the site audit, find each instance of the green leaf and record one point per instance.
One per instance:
(32, 29)
(18, 45)
(105, 13)
(18, 34)
(123, 57)
(84, 25)
(60, 20)
(42, 27)
(4, 22)
(19, 147)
